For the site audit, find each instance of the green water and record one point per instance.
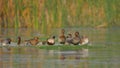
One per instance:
(104, 52)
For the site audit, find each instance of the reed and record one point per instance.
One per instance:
(35, 14)
(39, 14)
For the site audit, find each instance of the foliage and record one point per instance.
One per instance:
(39, 14)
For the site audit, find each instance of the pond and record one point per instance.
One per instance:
(103, 54)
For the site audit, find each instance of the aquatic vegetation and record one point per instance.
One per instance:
(39, 14)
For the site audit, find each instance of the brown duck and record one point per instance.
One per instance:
(33, 41)
(62, 38)
(76, 39)
(69, 39)
(84, 40)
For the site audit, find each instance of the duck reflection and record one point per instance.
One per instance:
(82, 53)
(68, 58)
(69, 54)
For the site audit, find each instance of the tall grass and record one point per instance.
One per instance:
(17, 6)
(45, 14)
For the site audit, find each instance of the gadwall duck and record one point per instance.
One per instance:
(51, 41)
(69, 39)
(76, 39)
(84, 40)
(33, 41)
(62, 37)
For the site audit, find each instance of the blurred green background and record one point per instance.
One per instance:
(47, 14)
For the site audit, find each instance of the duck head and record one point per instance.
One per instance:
(76, 34)
(36, 38)
(62, 31)
(53, 37)
(69, 36)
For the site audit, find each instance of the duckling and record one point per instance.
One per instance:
(69, 39)
(33, 41)
(51, 41)
(62, 37)
(76, 39)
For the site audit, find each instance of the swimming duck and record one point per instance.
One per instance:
(69, 39)
(62, 37)
(76, 39)
(6, 41)
(33, 41)
(84, 40)
(51, 41)
(19, 40)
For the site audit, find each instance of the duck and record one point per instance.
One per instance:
(84, 40)
(51, 41)
(5, 42)
(69, 39)
(19, 40)
(76, 38)
(8, 41)
(33, 41)
(62, 38)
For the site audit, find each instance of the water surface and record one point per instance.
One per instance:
(103, 54)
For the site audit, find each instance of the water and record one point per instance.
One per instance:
(103, 54)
